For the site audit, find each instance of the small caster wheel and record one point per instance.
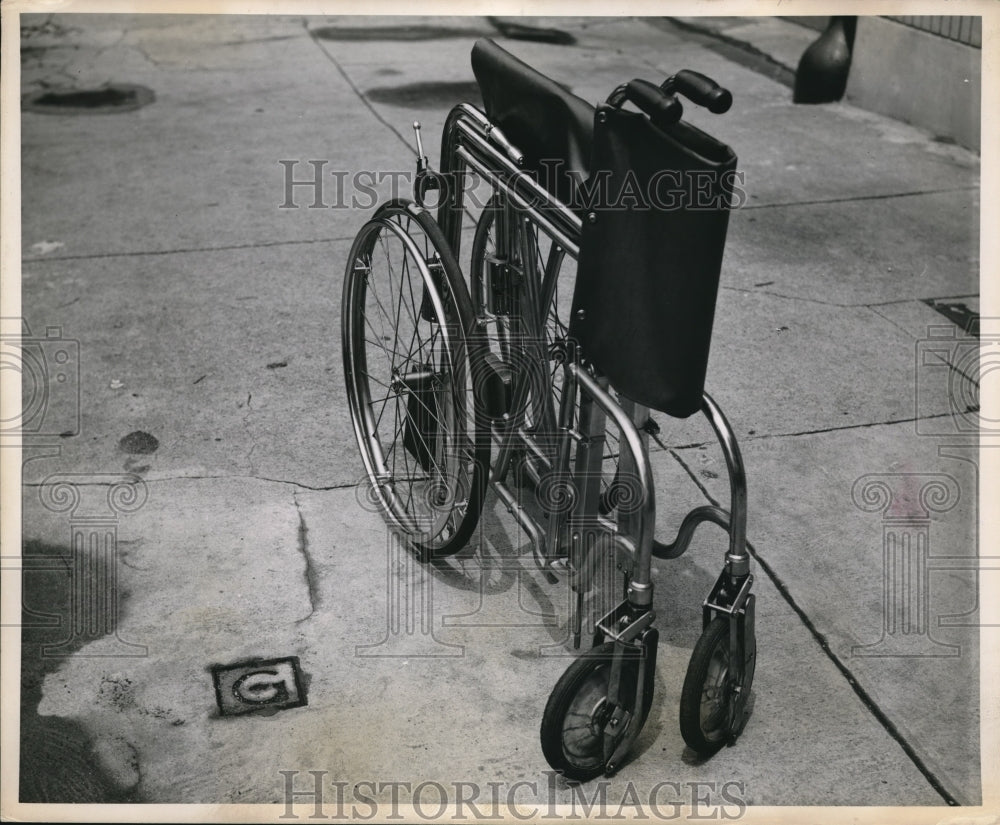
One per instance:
(710, 696)
(578, 710)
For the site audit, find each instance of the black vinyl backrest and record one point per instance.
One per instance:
(655, 204)
(651, 256)
(541, 118)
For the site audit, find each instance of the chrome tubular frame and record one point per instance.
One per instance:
(733, 521)
(471, 143)
(737, 558)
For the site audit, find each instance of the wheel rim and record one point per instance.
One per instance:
(717, 694)
(405, 355)
(500, 333)
(586, 716)
(502, 328)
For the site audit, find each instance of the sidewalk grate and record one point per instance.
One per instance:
(116, 97)
(958, 312)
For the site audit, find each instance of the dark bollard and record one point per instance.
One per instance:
(821, 76)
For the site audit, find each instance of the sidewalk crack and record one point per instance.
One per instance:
(253, 442)
(310, 575)
(822, 430)
(866, 699)
(860, 198)
(179, 250)
(360, 95)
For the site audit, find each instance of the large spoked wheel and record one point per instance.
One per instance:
(709, 696)
(578, 710)
(508, 251)
(407, 355)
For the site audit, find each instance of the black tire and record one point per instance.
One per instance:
(572, 731)
(708, 697)
(501, 314)
(408, 355)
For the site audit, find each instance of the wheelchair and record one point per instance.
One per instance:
(589, 302)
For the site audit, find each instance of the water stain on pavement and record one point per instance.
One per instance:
(444, 94)
(59, 759)
(112, 98)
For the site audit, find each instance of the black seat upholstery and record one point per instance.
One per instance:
(545, 121)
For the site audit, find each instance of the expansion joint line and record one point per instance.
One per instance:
(866, 699)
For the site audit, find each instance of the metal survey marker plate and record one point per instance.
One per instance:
(258, 685)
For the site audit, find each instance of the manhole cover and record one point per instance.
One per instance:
(117, 97)
(520, 31)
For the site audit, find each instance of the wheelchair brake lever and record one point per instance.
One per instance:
(425, 180)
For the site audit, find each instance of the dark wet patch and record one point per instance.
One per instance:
(139, 443)
(734, 50)
(119, 97)
(443, 94)
(56, 754)
(524, 654)
(404, 33)
(516, 30)
(260, 40)
(133, 465)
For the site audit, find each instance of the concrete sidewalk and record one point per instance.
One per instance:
(208, 317)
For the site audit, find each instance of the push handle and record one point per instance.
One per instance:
(701, 90)
(662, 107)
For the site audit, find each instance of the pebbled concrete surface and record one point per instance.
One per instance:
(208, 317)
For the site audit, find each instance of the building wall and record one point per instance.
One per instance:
(922, 70)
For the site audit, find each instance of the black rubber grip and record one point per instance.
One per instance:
(663, 108)
(702, 90)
